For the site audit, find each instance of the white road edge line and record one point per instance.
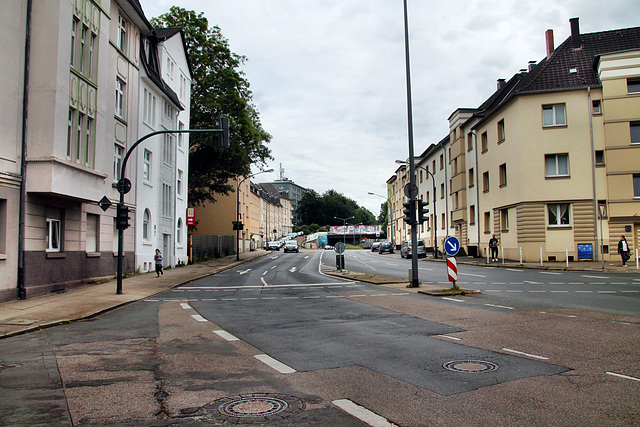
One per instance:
(362, 413)
(273, 363)
(263, 282)
(185, 306)
(623, 376)
(199, 318)
(535, 356)
(500, 306)
(451, 338)
(226, 335)
(453, 299)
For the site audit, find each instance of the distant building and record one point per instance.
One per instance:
(294, 192)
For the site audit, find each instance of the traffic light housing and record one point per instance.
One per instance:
(423, 211)
(224, 138)
(409, 211)
(122, 217)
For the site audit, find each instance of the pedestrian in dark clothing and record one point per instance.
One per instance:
(493, 245)
(623, 250)
(158, 259)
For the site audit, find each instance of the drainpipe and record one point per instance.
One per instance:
(477, 184)
(593, 178)
(22, 292)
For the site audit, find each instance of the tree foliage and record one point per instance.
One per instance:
(219, 88)
(324, 209)
(383, 218)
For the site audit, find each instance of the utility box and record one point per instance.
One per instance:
(340, 262)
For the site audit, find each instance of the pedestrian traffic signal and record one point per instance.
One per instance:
(423, 211)
(409, 211)
(122, 217)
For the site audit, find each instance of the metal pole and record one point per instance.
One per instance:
(412, 179)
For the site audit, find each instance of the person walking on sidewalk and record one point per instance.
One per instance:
(493, 245)
(623, 250)
(158, 259)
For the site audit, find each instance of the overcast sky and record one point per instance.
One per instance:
(328, 76)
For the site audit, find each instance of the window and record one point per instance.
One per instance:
(88, 143)
(556, 165)
(441, 161)
(553, 115)
(167, 152)
(485, 142)
(93, 232)
(501, 135)
(3, 226)
(469, 141)
(558, 214)
(487, 222)
(599, 155)
(485, 182)
(595, 107)
(442, 220)
(471, 178)
(149, 108)
(504, 219)
(121, 41)
(83, 48)
(53, 235)
(146, 168)
(503, 175)
(92, 55)
(179, 183)
(171, 66)
(442, 191)
(70, 132)
(179, 232)
(634, 129)
(120, 91)
(633, 85)
(168, 110)
(76, 155)
(472, 215)
(74, 30)
(166, 200)
(181, 135)
(118, 151)
(433, 166)
(146, 224)
(636, 185)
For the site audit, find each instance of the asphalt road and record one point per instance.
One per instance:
(276, 342)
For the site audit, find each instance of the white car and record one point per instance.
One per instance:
(273, 246)
(291, 246)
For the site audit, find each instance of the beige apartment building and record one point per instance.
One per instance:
(554, 149)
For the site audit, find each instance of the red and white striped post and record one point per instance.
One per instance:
(452, 270)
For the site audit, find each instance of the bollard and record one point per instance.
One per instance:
(502, 252)
(487, 255)
(520, 254)
(566, 256)
(541, 265)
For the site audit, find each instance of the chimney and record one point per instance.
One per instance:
(575, 33)
(532, 64)
(501, 83)
(548, 35)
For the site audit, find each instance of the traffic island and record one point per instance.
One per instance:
(447, 292)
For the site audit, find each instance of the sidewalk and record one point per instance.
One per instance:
(21, 316)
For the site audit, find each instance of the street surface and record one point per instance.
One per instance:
(277, 342)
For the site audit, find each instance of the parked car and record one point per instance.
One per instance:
(405, 249)
(375, 246)
(291, 246)
(273, 246)
(385, 247)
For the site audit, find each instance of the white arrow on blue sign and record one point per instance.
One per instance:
(451, 245)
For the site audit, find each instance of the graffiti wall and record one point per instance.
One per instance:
(355, 229)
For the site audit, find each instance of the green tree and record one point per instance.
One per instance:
(219, 88)
(313, 208)
(383, 218)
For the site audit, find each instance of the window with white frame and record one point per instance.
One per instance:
(504, 219)
(501, 134)
(636, 185)
(120, 101)
(179, 232)
(596, 107)
(634, 130)
(78, 146)
(168, 110)
(181, 135)
(89, 142)
(70, 131)
(149, 108)
(167, 151)
(171, 68)
(118, 152)
(146, 225)
(633, 85)
(121, 40)
(74, 30)
(558, 214)
(146, 167)
(179, 183)
(93, 232)
(53, 235)
(556, 165)
(554, 115)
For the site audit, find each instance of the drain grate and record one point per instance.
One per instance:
(470, 366)
(247, 408)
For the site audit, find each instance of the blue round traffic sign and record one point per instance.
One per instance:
(451, 245)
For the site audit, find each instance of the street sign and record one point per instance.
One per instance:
(104, 203)
(340, 247)
(123, 186)
(191, 216)
(411, 191)
(452, 269)
(452, 246)
(602, 210)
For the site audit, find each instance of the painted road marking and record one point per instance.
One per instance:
(362, 413)
(263, 282)
(451, 338)
(513, 269)
(623, 376)
(469, 274)
(226, 335)
(594, 277)
(275, 364)
(244, 271)
(185, 306)
(500, 306)
(199, 318)
(549, 272)
(535, 356)
(453, 299)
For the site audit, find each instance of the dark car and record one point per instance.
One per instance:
(291, 246)
(385, 247)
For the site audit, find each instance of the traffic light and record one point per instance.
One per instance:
(122, 214)
(224, 138)
(409, 211)
(423, 211)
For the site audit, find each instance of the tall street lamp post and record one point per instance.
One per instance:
(237, 224)
(390, 209)
(344, 220)
(435, 214)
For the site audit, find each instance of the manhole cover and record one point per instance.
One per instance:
(470, 366)
(248, 408)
